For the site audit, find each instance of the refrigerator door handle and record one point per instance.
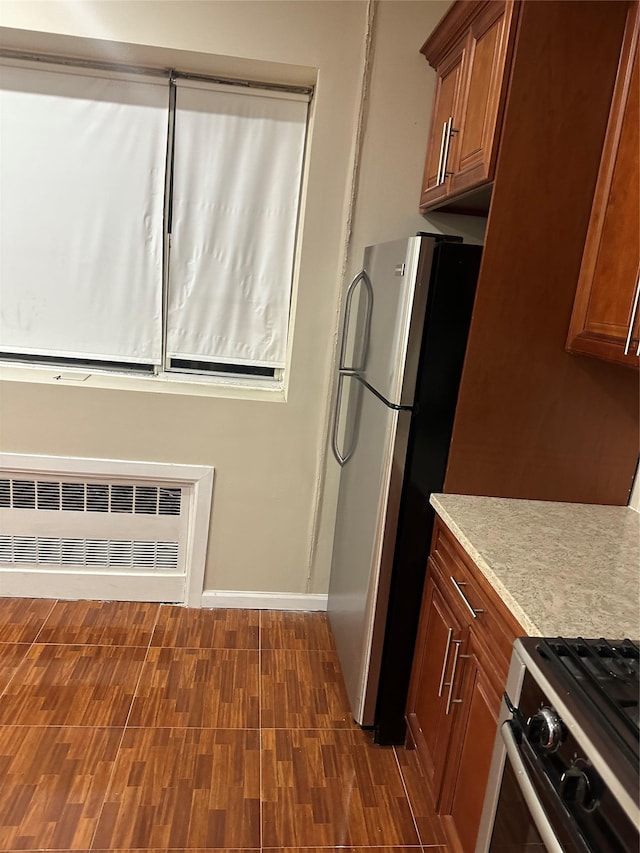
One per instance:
(340, 459)
(352, 426)
(366, 283)
(344, 369)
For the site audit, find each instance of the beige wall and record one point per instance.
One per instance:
(274, 494)
(391, 163)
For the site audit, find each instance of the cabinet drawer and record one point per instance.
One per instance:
(476, 602)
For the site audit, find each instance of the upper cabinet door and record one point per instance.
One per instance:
(470, 51)
(606, 316)
(483, 97)
(442, 134)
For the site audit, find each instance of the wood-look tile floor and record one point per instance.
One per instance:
(154, 728)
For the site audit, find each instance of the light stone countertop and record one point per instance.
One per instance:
(562, 569)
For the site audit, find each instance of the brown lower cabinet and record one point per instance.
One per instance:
(459, 672)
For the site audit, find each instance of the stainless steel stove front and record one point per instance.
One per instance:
(553, 784)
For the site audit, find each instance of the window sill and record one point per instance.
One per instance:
(222, 387)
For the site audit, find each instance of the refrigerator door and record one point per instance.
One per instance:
(452, 289)
(369, 496)
(399, 275)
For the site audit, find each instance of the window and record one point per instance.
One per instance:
(147, 222)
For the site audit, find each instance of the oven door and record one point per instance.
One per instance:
(529, 814)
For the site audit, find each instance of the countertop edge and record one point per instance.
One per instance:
(503, 593)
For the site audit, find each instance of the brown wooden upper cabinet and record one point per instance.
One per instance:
(470, 51)
(606, 315)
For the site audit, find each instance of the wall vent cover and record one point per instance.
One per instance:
(91, 553)
(103, 529)
(91, 524)
(89, 497)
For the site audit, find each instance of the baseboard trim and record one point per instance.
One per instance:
(263, 600)
(96, 586)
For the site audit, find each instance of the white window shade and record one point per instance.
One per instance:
(237, 170)
(82, 166)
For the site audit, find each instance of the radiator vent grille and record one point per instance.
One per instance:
(113, 529)
(89, 497)
(92, 553)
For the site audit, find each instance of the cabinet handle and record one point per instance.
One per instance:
(449, 684)
(444, 662)
(439, 178)
(472, 610)
(632, 321)
(450, 131)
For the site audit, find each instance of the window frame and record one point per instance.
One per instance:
(14, 366)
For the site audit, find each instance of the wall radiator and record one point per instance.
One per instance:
(104, 532)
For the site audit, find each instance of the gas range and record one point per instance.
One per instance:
(569, 743)
(590, 735)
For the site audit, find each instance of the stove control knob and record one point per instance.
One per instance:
(544, 729)
(576, 788)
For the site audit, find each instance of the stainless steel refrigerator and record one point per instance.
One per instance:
(404, 334)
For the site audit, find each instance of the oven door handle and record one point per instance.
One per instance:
(538, 814)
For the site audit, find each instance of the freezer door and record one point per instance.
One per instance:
(399, 273)
(364, 543)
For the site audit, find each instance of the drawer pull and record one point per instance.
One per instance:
(444, 662)
(449, 684)
(458, 585)
(439, 179)
(445, 160)
(632, 321)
